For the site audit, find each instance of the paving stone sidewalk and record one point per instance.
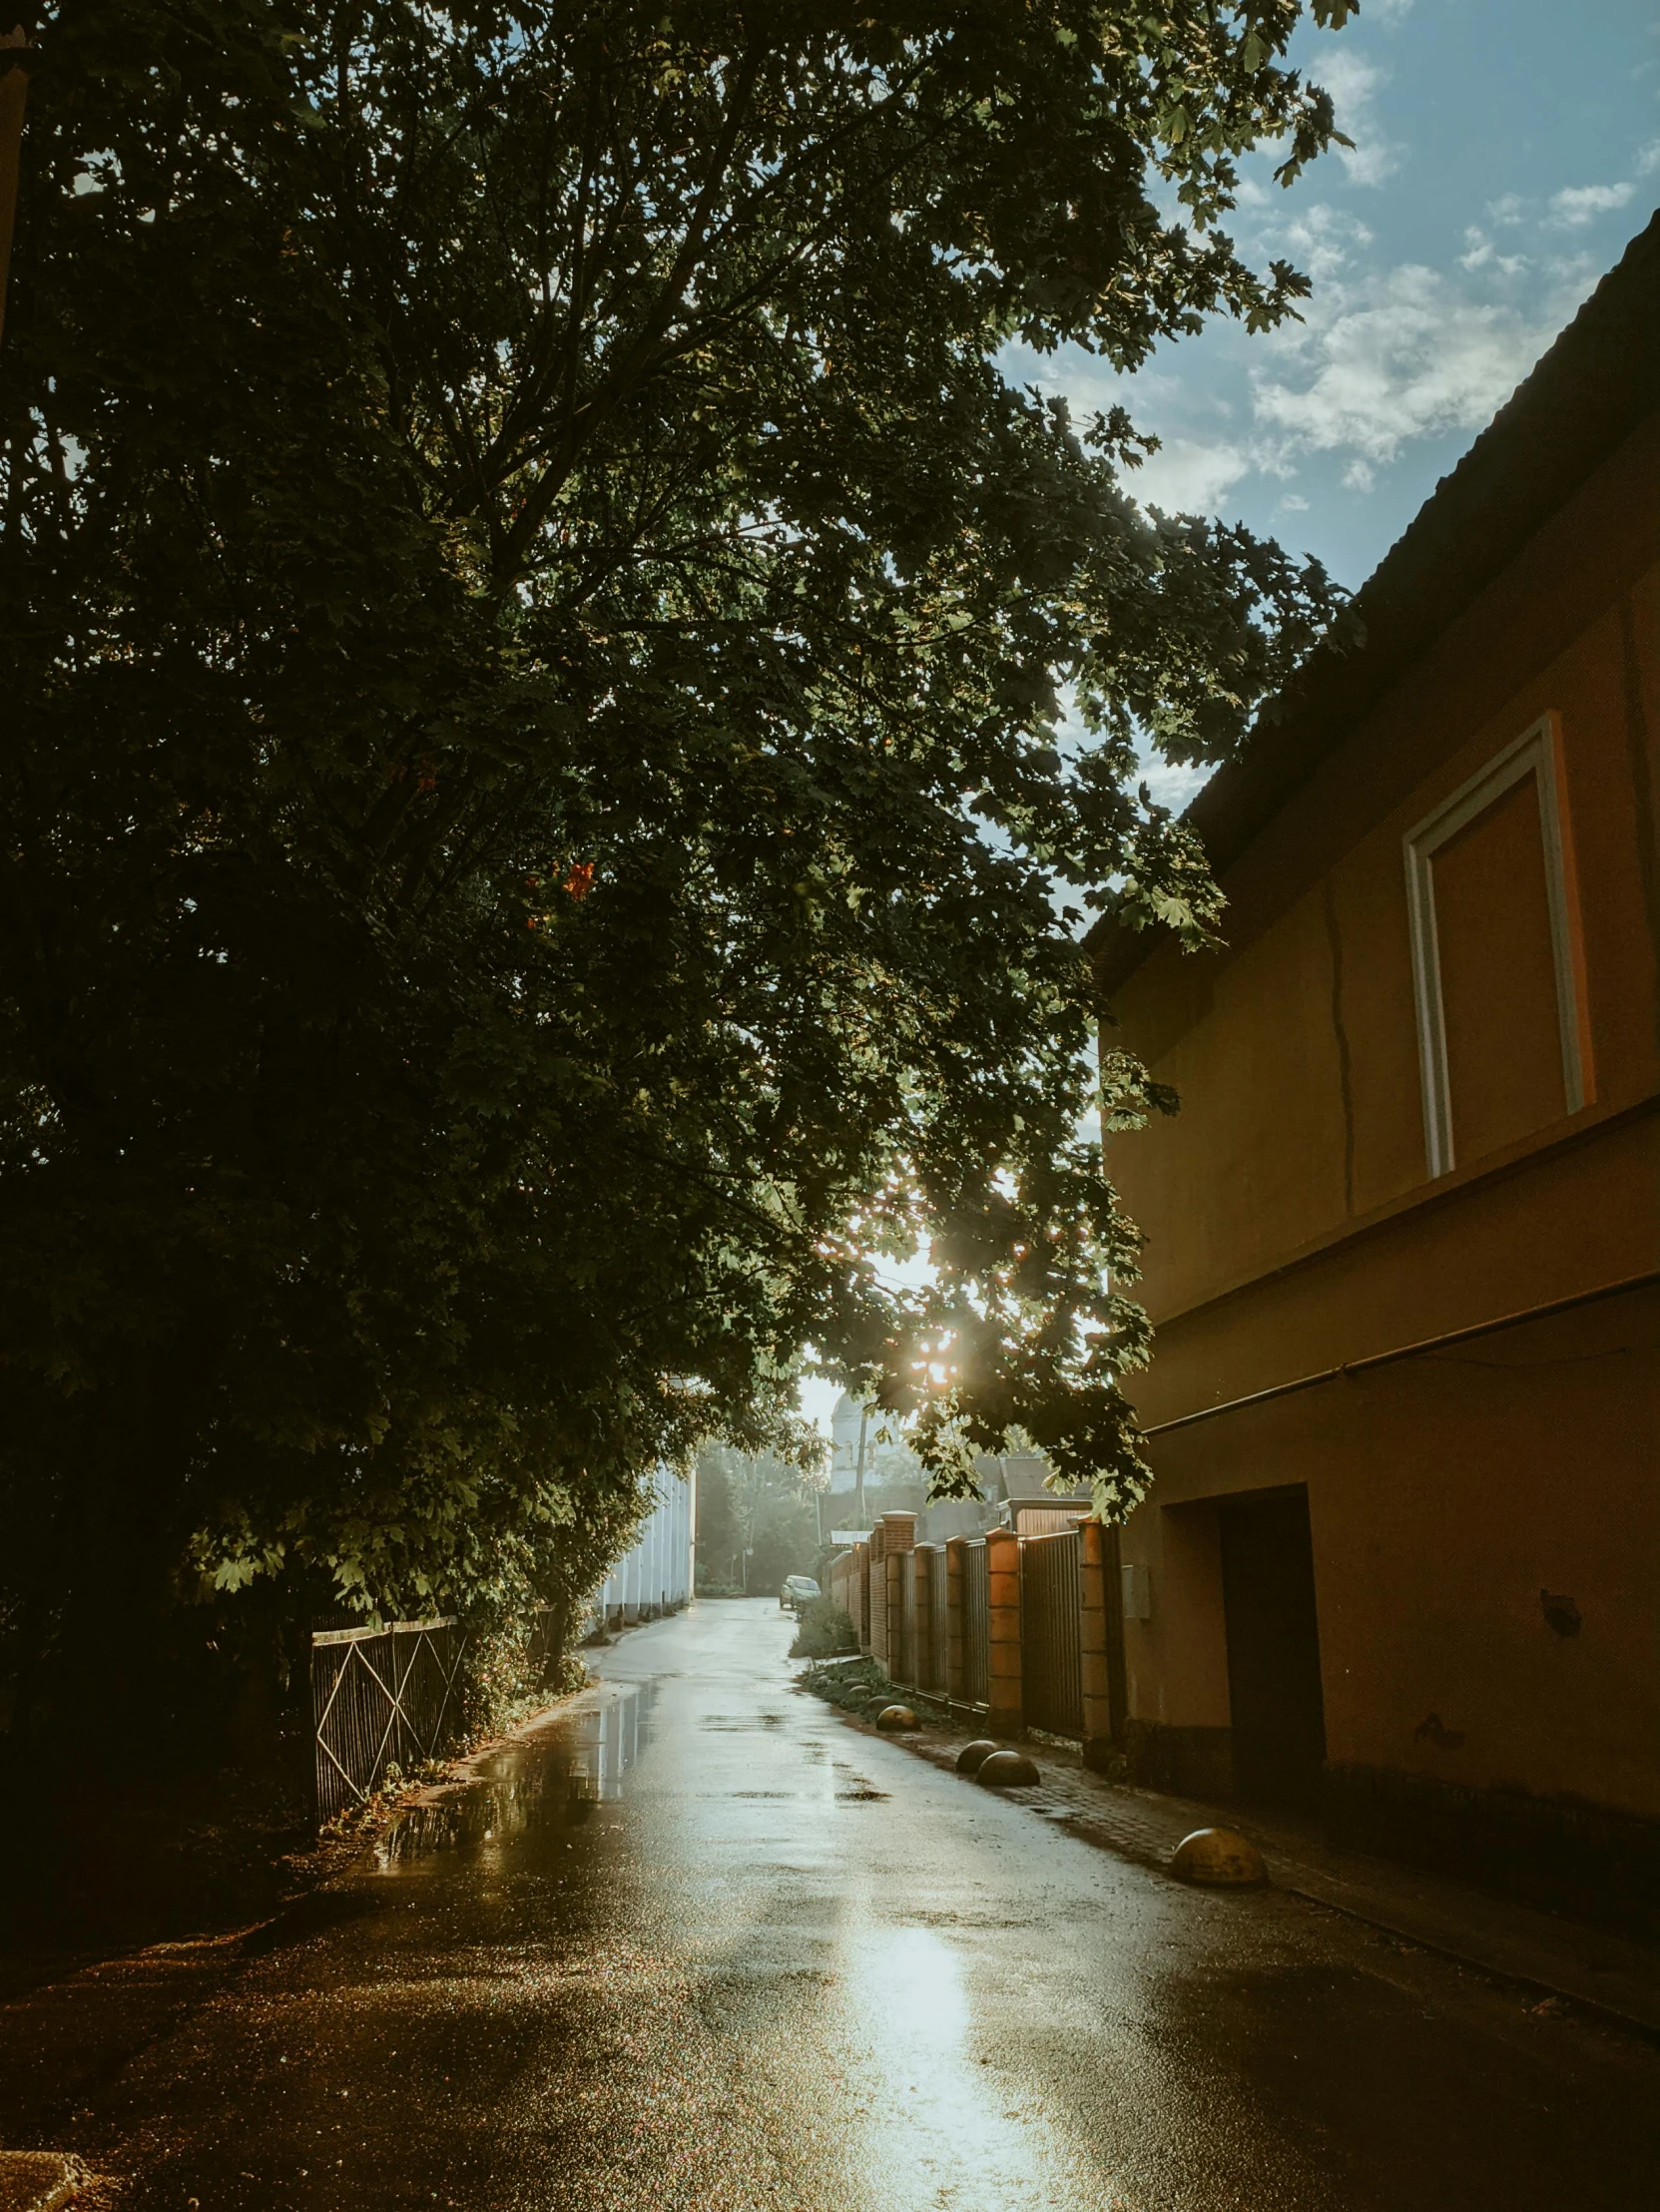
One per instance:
(1562, 1958)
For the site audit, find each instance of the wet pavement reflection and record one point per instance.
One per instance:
(576, 1767)
(698, 1943)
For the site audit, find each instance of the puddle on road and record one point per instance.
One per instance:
(555, 1781)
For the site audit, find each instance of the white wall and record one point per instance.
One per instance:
(656, 1573)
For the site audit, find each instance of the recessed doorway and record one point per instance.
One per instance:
(1274, 1690)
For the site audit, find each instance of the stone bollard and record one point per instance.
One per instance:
(1007, 1770)
(1002, 1560)
(1218, 1858)
(41, 2180)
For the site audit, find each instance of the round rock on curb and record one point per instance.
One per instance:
(973, 1756)
(1217, 1859)
(893, 1717)
(1007, 1770)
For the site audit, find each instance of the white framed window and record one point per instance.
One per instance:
(1496, 893)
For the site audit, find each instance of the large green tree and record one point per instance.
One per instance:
(538, 834)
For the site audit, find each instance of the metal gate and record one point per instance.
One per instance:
(977, 1625)
(381, 1697)
(1051, 1638)
(933, 1666)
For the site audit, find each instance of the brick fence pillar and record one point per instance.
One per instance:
(953, 1619)
(1102, 1642)
(899, 1541)
(1002, 1560)
(876, 1572)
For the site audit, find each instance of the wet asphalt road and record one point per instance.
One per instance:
(706, 1945)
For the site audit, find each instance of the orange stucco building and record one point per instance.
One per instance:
(1402, 1554)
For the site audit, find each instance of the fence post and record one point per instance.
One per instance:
(877, 1568)
(899, 1536)
(1002, 1560)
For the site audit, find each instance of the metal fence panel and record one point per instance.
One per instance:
(977, 1625)
(903, 1666)
(1051, 1633)
(381, 1697)
(933, 1665)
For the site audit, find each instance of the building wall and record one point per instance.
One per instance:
(655, 1574)
(1291, 1224)
(1294, 1048)
(1445, 1496)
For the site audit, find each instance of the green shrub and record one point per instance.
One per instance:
(851, 1687)
(824, 1632)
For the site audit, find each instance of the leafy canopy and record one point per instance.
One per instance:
(540, 839)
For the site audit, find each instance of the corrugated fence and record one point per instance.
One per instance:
(1051, 1638)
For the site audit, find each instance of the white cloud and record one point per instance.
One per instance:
(1385, 355)
(1191, 475)
(1480, 253)
(1172, 786)
(1407, 355)
(1578, 205)
(1322, 240)
(1352, 81)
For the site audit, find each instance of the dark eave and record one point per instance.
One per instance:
(1587, 394)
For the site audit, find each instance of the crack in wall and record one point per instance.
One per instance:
(1636, 737)
(1345, 1070)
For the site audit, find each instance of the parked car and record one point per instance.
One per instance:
(797, 1590)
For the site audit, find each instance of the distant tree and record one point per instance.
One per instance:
(758, 1518)
(720, 1539)
(537, 836)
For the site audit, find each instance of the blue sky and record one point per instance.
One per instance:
(1504, 152)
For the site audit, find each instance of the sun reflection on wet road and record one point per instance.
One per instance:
(939, 2134)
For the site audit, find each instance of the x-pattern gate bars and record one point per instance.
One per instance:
(379, 1696)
